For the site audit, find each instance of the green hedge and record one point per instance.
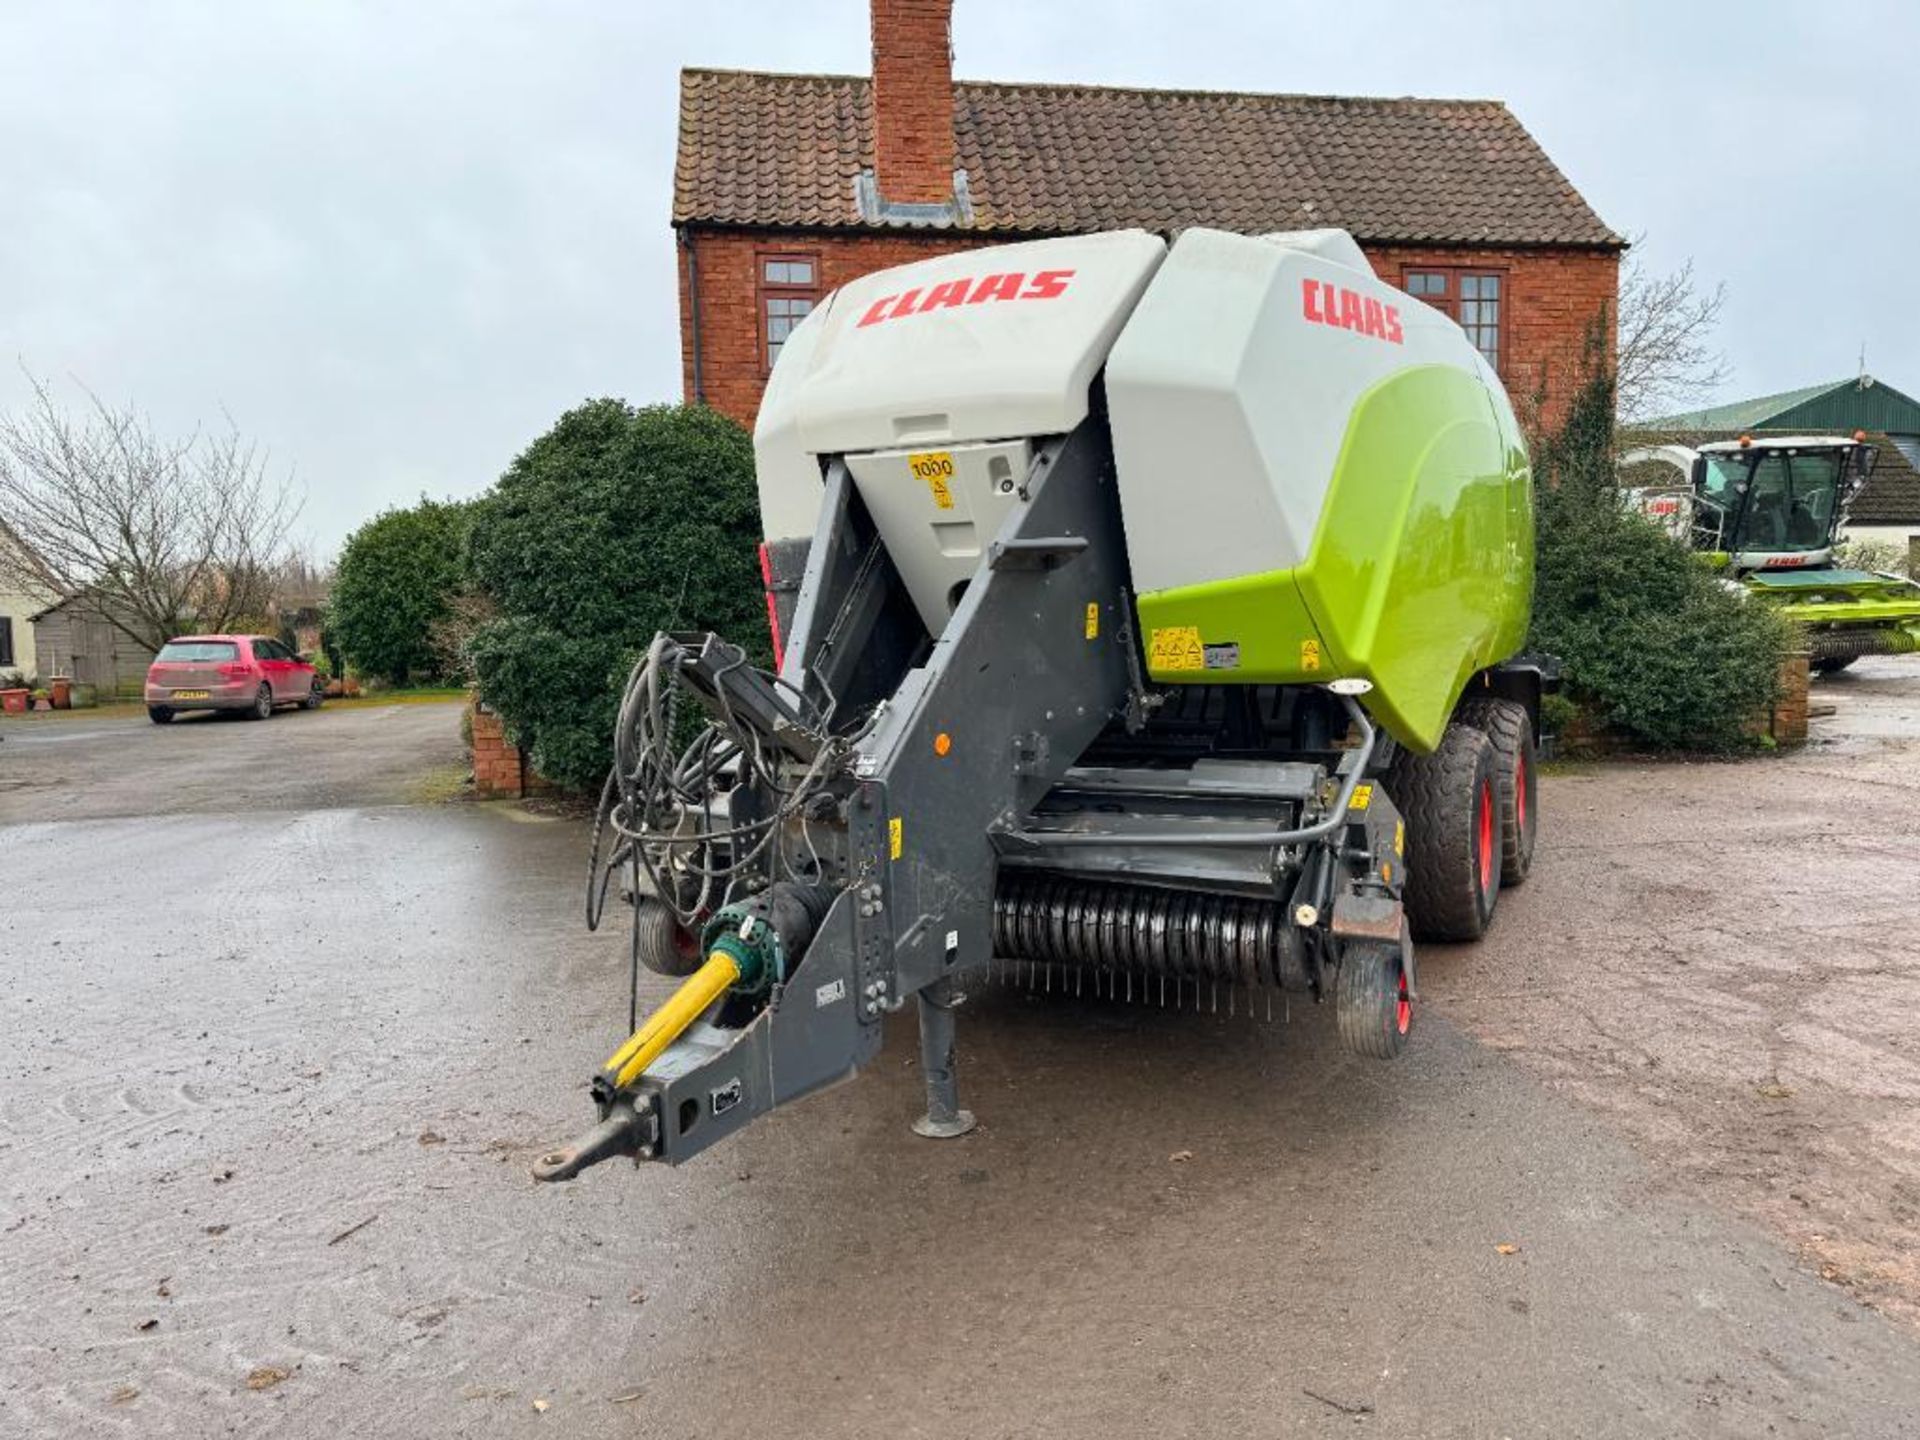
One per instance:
(396, 575)
(617, 523)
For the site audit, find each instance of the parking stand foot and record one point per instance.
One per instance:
(944, 1118)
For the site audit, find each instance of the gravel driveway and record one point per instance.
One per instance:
(276, 1052)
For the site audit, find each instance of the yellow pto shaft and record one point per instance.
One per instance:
(670, 1021)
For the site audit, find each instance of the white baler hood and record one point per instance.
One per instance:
(977, 345)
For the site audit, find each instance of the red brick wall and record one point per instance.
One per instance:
(1551, 297)
(500, 770)
(913, 100)
(733, 357)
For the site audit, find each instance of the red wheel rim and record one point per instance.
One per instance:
(1403, 1012)
(1486, 837)
(1520, 793)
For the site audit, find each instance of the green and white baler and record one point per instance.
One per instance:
(1148, 622)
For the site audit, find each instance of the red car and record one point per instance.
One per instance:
(248, 674)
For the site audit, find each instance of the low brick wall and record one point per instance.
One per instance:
(1788, 722)
(1785, 723)
(500, 768)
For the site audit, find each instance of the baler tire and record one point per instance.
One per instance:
(1371, 1006)
(1507, 724)
(1453, 856)
(1832, 664)
(666, 946)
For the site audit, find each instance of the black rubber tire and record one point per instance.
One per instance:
(666, 946)
(1449, 802)
(1371, 1006)
(314, 697)
(1832, 664)
(160, 714)
(262, 707)
(1506, 723)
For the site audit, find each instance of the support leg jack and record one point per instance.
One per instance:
(944, 1119)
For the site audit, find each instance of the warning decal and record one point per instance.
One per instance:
(1309, 654)
(936, 468)
(1177, 647)
(1093, 619)
(1362, 797)
(896, 838)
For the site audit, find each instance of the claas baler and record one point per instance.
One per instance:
(1148, 620)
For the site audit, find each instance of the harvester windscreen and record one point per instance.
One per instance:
(1778, 501)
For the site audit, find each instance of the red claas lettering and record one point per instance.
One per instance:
(1323, 303)
(1012, 285)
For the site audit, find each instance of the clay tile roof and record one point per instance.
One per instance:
(783, 151)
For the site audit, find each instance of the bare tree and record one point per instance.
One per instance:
(153, 535)
(1664, 357)
(467, 610)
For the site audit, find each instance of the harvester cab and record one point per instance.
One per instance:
(1147, 622)
(1770, 511)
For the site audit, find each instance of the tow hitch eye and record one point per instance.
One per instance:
(622, 1130)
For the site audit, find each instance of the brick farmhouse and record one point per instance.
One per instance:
(788, 186)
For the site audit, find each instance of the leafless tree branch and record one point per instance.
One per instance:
(155, 536)
(1665, 359)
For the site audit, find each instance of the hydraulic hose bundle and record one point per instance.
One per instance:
(727, 880)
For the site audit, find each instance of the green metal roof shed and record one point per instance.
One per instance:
(1858, 403)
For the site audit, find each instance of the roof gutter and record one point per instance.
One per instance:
(999, 233)
(699, 396)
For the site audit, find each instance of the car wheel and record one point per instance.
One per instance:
(314, 697)
(160, 714)
(262, 704)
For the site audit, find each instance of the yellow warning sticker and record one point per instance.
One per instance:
(936, 468)
(1093, 619)
(1400, 837)
(1362, 797)
(896, 838)
(1177, 647)
(1309, 654)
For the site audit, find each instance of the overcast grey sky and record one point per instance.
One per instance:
(394, 240)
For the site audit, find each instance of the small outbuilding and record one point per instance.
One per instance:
(75, 637)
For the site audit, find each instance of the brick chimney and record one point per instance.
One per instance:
(913, 101)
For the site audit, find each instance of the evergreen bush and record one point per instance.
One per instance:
(1656, 645)
(617, 523)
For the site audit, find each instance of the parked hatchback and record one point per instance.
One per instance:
(248, 674)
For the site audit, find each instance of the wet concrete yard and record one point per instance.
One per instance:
(276, 1051)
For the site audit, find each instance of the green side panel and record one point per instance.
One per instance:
(1254, 630)
(1420, 573)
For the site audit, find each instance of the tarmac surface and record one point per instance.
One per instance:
(277, 1050)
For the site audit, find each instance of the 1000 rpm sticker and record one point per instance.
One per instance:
(935, 469)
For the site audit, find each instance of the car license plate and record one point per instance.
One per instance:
(189, 694)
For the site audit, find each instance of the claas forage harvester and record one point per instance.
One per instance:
(1149, 619)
